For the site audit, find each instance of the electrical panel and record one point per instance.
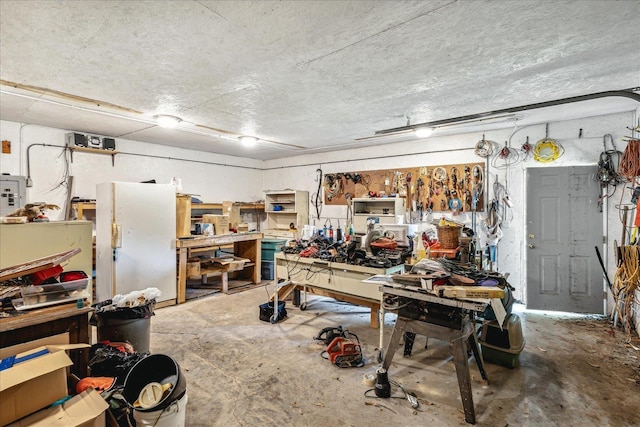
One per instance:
(13, 193)
(90, 141)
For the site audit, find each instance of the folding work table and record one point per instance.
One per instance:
(457, 329)
(333, 279)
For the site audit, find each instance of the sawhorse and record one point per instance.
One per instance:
(458, 337)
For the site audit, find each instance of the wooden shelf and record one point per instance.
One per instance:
(294, 205)
(188, 212)
(112, 153)
(243, 206)
(83, 206)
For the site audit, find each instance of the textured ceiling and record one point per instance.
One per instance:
(304, 76)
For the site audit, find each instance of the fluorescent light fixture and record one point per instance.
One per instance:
(248, 141)
(166, 121)
(423, 131)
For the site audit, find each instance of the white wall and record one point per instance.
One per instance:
(300, 173)
(199, 173)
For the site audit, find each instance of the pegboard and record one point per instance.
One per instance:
(447, 188)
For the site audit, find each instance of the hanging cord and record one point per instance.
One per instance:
(349, 221)
(607, 174)
(508, 155)
(630, 160)
(547, 150)
(477, 178)
(501, 199)
(621, 207)
(316, 199)
(484, 148)
(626, 282)
(526, 150)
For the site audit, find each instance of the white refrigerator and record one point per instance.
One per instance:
(135, 239)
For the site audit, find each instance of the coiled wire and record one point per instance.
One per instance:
(547, 150)
(630, 161)
(484, 148)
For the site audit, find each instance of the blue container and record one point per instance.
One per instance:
(270, 247)
(267, 270)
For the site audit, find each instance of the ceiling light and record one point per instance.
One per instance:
(423, 131)
(166, 121)
(248, 141)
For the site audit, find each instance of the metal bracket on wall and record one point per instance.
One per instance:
(94, 151)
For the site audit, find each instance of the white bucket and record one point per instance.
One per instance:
(172, 416)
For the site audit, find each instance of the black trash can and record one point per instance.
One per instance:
(131, 324)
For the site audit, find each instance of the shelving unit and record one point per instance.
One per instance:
(383, 208)
(284, 209)
(188, 213)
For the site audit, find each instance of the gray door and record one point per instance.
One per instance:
(563, 227)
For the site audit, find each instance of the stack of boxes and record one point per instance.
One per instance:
(33, 376)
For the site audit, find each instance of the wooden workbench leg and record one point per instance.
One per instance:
(461, 361)
(398, 332)
(225, 282)
(182, 275)
(257, 269)
(82, 336)
(375, 317)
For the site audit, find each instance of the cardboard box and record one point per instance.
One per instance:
(86, 409)
(220, 223)
(232, 209)
(193, 267)
(183, 215)
(36, 382)
(59, 339)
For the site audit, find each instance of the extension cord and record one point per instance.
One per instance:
(412, 400)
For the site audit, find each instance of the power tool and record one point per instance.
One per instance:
(345, 353)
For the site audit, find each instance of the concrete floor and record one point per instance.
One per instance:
(575, 370)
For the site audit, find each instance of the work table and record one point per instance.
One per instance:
(245, 245)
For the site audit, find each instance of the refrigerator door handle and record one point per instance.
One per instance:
(116, 235)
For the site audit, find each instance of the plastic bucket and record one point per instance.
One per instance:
(172, 416)
(132, 324)
(270, 247)
(156, 368)
(136, 331)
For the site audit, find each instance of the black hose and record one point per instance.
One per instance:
(318, 201)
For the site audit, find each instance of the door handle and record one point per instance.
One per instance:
(116, 235)
(531, 245)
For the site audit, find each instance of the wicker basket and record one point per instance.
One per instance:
(449, 236)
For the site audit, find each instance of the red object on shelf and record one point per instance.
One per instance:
(444, 253)
(70, 276)
(40, 276)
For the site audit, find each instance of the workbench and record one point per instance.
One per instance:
(333, 279)
(456, 328)
(245, 245)
(34, 324)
